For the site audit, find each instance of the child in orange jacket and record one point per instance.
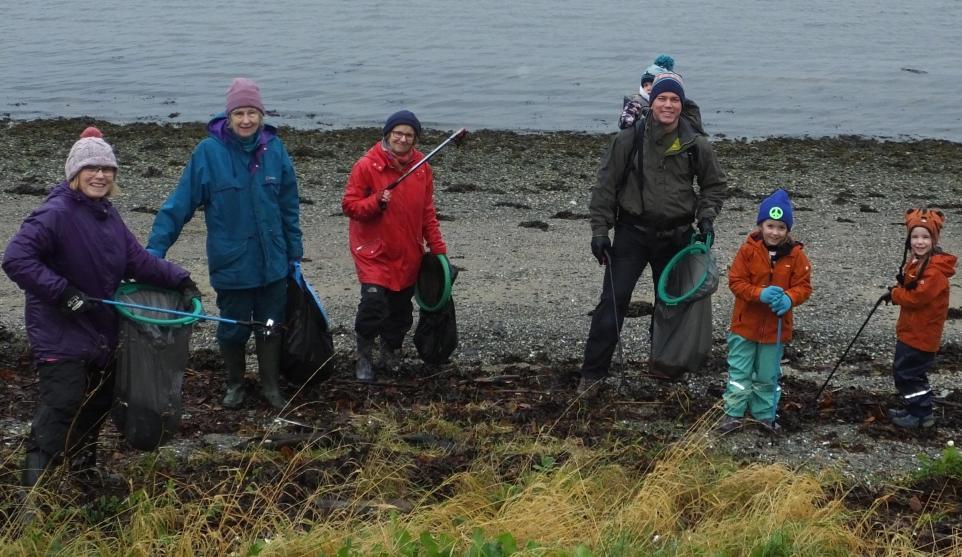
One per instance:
(769, 276)
(922, 294)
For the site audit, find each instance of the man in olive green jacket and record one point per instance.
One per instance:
(647, 192)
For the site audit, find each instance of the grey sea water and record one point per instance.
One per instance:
(757, 67)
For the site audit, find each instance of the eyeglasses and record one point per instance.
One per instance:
(402, 135)
(107, 170)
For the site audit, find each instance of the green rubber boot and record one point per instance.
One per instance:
(269, 366)
(235, 362)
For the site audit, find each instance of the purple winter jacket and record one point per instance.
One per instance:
(73, 240)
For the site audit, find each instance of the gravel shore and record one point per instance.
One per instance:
(514, 209)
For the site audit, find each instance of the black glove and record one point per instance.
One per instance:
(887, 297)
(600, 246)
(73, 301)
(188, 291)
(705, 228)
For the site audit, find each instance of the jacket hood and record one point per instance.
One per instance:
(943, 263)
(691, 113)
(217, 128)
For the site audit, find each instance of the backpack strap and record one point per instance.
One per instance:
(635, 158)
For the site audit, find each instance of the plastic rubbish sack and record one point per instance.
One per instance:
(308, 343)
(681, 334)
(148, 401)
(436, 334)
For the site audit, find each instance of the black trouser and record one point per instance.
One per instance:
(75, 398)
(632, 250)
(910, 370)
(384, 313)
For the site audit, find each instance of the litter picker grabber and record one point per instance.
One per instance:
(456, 137)
(818, 395)
(614, 307)
(778, 377)
(267, 327)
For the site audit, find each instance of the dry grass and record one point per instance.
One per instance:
(561, 497)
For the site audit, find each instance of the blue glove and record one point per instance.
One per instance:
(770, 294)
(782, 305)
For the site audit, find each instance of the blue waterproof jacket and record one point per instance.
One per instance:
(72, 240)
(250, 203)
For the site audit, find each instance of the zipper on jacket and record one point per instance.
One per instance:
(771, 278)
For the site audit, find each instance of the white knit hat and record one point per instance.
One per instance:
(89, 150)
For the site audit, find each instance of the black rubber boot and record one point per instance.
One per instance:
(90, 477)
(269, 367)
(390, 358)
(364, 370)
(235, 362)
(34, 465)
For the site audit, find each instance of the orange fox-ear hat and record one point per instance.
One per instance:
(929, 219)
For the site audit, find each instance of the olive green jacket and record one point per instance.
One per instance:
(668, 193)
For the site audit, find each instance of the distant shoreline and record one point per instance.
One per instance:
(84, 121)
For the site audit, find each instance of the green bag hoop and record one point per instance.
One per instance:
(130, 287)
(694, 247)
(445, 292)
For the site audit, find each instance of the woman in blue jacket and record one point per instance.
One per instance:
(75, 246)
(243, 177)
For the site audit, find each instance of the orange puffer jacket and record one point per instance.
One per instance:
(750, 273)
(925, 307)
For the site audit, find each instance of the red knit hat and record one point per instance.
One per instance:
(929, 219)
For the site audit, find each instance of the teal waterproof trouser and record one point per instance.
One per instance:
(753, 372)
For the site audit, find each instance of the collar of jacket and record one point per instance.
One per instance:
(786, 248)
(217, 128)
(100, 208)
(687, 134)
(380, 161)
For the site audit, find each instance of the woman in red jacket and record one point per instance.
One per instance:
(922, 293)
(769, 276)
(388, 232)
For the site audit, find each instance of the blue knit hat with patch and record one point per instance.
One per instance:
(776, 206)
(402, 117)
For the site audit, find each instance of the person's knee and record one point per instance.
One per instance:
(228, 333)
(372, 311)
(63, 386)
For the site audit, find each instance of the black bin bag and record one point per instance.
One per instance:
(308, 343)
(151, 360)
(681, 335)
(436, 334)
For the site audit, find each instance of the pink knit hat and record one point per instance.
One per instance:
(90, 150)
(244, 92)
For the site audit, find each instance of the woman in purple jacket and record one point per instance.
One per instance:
(74, 247)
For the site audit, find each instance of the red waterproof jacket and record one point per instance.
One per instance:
(388, 244)
(753, 270)
(925, 307)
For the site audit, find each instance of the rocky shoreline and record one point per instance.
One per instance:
(513, 210)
